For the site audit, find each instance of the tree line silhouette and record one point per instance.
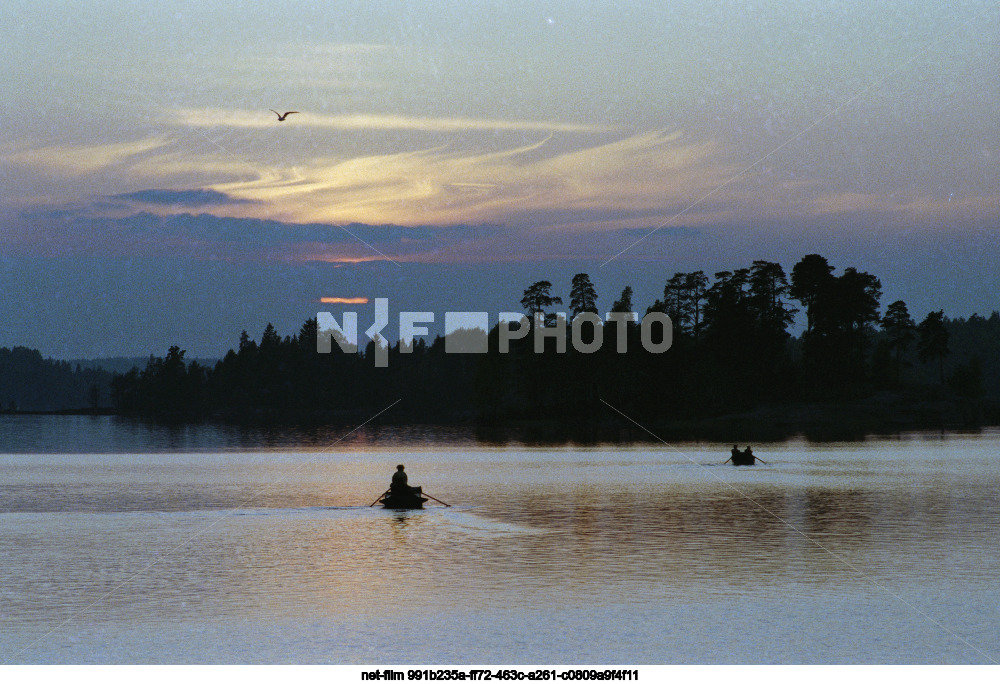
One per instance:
(29, 382)
(732, 351)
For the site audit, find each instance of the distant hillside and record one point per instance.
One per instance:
(29, 382)
(116, 364)
(123, 364)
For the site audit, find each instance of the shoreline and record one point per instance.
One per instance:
(881, 414)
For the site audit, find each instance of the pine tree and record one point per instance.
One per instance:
(933, 340)
(582, 296)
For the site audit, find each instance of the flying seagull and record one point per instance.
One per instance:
(281, 117)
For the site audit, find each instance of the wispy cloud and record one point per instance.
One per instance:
(369, 122)
(343, 300)
(919, 209)
(78, 160)
(560, 196)
(644, 173)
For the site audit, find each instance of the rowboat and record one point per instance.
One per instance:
(403, 500)
(742, 458)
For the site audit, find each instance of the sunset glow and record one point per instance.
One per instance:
(600, 138)
(343, 300)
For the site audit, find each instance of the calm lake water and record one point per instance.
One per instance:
(126, 544)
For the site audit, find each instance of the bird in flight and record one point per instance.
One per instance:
(281, 117)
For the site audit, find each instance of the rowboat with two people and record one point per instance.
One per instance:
(743, 458)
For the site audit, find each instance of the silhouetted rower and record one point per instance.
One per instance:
(399, 485)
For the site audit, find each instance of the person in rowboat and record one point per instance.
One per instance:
(399, 485)
(739, 458)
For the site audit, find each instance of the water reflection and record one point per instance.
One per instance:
(399, 522)
(111, 434)
(841, 514)
(771, 537)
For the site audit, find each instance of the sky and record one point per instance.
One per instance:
(446, 155)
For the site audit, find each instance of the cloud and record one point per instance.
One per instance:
(85, 230)
(630, 182)
(47, 175)
(558, 181)
(343, 300)
(368, 122)
(917, 210)
(77, 160)
(181, 198)
(559, 196)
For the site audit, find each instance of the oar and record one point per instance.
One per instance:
(438, 500)
(762, 461)
(378, 499)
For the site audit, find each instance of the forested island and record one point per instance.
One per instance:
(733, 367)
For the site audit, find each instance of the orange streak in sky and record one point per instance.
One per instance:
(343, 300)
